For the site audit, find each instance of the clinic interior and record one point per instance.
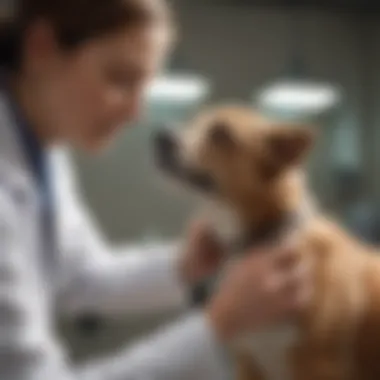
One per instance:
(254, 51)
(313, 60)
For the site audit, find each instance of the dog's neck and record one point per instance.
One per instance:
(238, 235)
(238, 239)
(268, 233)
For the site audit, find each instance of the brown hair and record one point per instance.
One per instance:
(76, 21)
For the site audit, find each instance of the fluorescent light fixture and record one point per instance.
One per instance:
(299, 96)
(178, 88)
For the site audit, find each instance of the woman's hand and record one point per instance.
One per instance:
(265, 287)
(202, 254)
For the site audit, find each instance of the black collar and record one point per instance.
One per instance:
(267, 234)
(254, 238)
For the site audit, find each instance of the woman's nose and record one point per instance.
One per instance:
(130, 108)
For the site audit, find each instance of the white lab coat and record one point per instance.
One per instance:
(87, 277)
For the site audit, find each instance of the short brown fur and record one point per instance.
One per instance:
(257, 165)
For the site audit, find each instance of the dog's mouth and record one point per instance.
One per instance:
(168, 160)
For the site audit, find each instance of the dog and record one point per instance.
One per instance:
(249, 172)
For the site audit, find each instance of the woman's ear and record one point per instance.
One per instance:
(41, 45)
(288, 144)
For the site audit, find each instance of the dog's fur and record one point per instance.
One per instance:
(249, 169)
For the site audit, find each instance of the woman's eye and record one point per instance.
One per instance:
(122, 78)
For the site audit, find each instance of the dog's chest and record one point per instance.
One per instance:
(270, 350)
(224, 222)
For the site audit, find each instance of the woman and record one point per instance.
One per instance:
(73, 72)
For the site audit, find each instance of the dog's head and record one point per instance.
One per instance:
(234, 155)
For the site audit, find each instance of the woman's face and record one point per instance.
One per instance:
(92, 92)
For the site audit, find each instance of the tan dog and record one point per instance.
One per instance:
(249, 172)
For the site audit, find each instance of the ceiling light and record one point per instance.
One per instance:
(178, 88)
(299, 96)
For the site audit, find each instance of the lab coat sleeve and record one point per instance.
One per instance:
(186, 350)
(99, 277)
(108, 280)
(28, 347)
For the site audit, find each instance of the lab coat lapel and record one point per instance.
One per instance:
(12, 153)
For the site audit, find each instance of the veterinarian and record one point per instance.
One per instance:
(72, 73)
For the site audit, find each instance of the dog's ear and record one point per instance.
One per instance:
(287, 145)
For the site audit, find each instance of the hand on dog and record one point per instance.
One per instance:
(202, 254)
(263, 288)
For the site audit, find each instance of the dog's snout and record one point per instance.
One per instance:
(165, 149)
(164, 141)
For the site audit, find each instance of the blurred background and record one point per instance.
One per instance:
(311, 60)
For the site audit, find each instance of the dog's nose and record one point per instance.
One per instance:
(164, 142)
(165, 148)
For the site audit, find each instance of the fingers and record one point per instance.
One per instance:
(294, 287)
(203, 231)
(286, 258)
(198, 227)
(296, 274)
(285, 277)
(303, 285)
